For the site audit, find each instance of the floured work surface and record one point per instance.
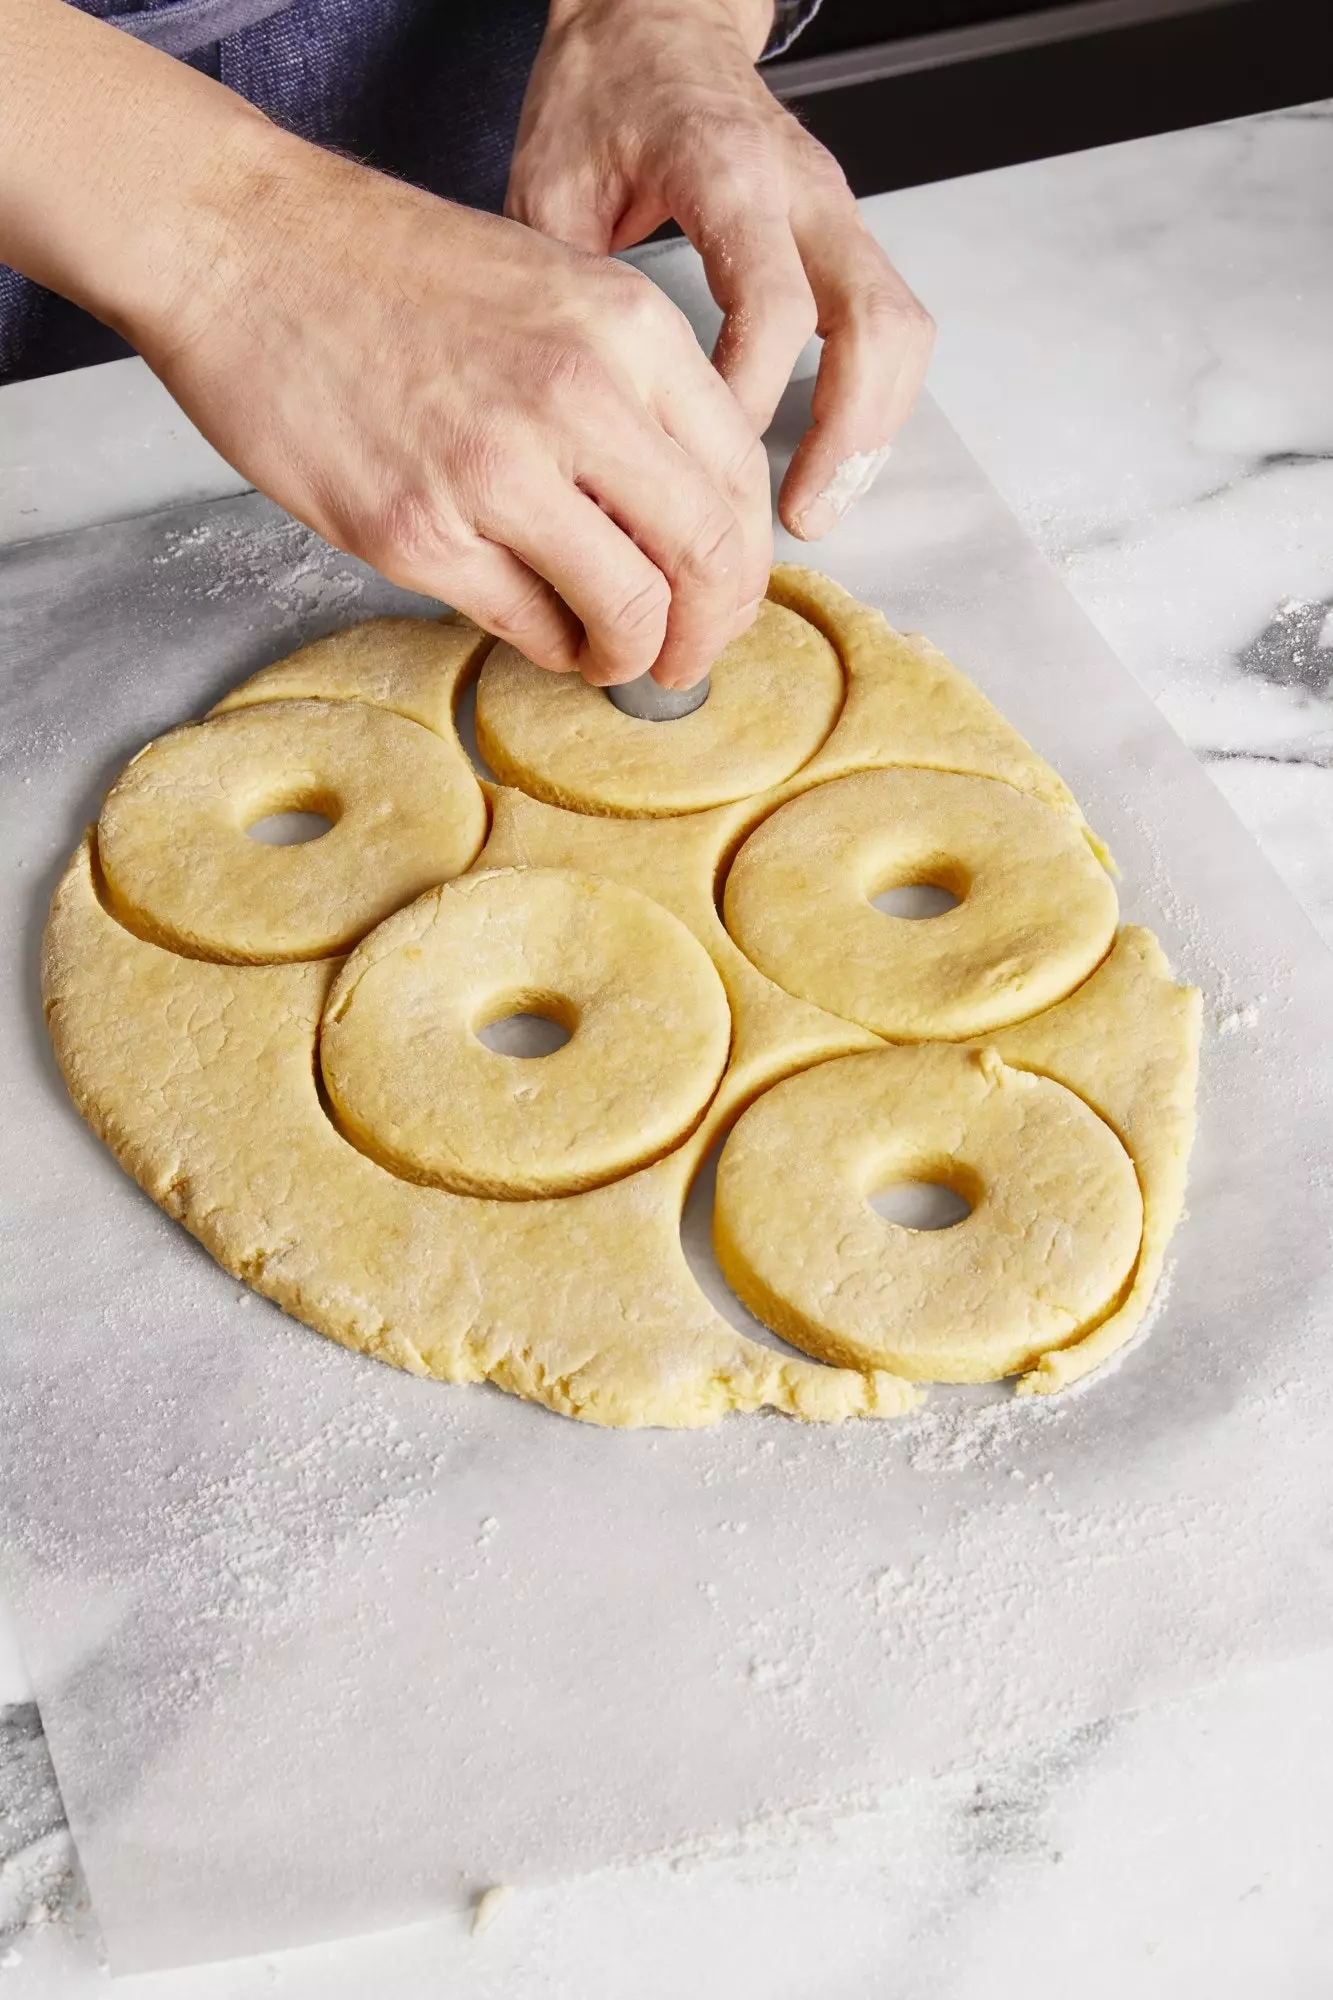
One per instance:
(321, 1647)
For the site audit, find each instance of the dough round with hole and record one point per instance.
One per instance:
(1047, 1252)
(180, 868)
(1036, 915)
(412, 1086)
(775, 694)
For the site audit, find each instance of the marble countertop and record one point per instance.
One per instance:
(1135, 344)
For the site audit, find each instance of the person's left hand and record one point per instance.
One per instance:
(638, 110)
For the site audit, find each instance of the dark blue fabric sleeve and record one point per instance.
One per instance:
(789, 17)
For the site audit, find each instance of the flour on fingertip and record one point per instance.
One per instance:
(853, 478)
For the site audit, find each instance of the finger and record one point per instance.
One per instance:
(621, 599)
(681, 519)
(699, 412)
(877, 341)
(504, 596)
(755, 274)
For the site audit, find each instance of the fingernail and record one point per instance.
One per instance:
(851, 481)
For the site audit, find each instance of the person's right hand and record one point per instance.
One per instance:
(530, 432)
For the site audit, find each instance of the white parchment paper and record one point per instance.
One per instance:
(321, 1648)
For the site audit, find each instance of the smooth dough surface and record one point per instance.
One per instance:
(414, 1088)
(775, 695)
(1046, 1253)
(201, 1076)
(1036, 914)
(179, 864)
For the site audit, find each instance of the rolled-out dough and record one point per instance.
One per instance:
(413, 1086)
(200, 1069)
(179, 865)
(1046, 1253)
(774, 696)
(1036, 910)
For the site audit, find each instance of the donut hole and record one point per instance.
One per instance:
(920, 892)
(526, 1025)
(935, 1195)
(295, 819)
(916, 900)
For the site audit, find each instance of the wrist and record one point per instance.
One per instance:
(750, 21)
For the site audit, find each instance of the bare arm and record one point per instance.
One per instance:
(524, 429)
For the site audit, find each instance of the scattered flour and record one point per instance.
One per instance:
(39, 1875)
(1237, 1018)
(225, 556)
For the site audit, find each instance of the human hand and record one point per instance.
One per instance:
(527, 431)
(486, 415)
(638, 110)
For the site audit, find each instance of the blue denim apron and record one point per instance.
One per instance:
(429, 90)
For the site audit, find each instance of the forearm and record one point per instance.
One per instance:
(121, 170)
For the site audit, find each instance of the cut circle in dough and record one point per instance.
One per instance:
(413, 1087)
(178, 865)
(775, 694)
(1036, 915)
(1047, 1252)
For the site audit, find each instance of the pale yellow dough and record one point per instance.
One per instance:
(1046, 1253)
(774, 696)
(413, 1087)
(179, 865)
(1037, 911)
(201, 1075)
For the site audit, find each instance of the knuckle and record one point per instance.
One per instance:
(826, 176)
(922, 325)
(636, 305)
(748, 476)
(887, 309)
(568, 374)
(640, 615)
(484, 470)
(517, 611)
(738, 153)
(406, 530)
(713, 548)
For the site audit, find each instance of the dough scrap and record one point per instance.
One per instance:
(200, 1075)
(180, 867)
(1046, 1253)
(1036, 914)
(775, 695)
(412, 1086)
(417, 667)
(907, 704)
(1128, 1043)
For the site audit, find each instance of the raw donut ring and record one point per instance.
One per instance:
(775, 695)
(1047, 1252)
(1037, 912)
(412, 1086)
(180, 871)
